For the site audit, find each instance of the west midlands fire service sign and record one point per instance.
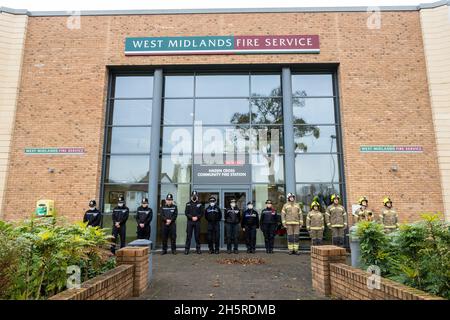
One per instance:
(222, 45)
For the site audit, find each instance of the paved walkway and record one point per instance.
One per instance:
(206, 276)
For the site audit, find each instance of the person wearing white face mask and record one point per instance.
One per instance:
(213, 215)
(119, 217)
(232, 219)
(250, 222)
(93, 217)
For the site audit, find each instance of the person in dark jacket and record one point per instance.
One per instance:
(194, 212)
(119, 218)
(93, 216)
(249, 224)
(269, 222)
(213, 215)
(144, 216)
(169, 214)
(232, 220)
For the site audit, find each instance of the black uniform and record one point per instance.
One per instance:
(193, 209)
(250, 222)
(93, 217)
(169, 213)
(213, 215)
(145, 216)
(232, 219)
(269, 222)
(120, 215)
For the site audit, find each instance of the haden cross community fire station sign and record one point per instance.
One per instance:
(222, 45)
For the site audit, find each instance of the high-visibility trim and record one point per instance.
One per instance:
(292, 222)
(390, 227)
(316, 228)
(337, 225)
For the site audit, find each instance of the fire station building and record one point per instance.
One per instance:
(237, 103)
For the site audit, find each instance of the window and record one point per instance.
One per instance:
(317, 171)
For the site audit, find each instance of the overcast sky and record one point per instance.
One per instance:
(40, 5)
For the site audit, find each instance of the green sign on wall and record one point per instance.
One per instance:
(56, 151)
(391, 149)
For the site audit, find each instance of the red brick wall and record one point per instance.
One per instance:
(383, 88)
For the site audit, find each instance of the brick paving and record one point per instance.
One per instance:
(281, 277)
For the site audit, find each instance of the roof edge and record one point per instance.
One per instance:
(224, 10)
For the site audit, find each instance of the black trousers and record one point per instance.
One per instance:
(213, 235)
(192, 226)
(232, 235)
(169, 231)
(268, 230)
(122, 232)
(143, 233)
(250, 237)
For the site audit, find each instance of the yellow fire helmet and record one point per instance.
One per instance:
(386, 200)
(334, 196)
(361, 199)
(315, 203)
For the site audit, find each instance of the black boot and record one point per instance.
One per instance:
(236, 251)
(174, 251)
(199, 251)
(216, 251)
(163, 252)
(249, 250)
(186, 251)
(211, 251)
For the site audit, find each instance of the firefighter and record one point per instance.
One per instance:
(144, 216)
(232, 220)
(336, 220)
(93, 216)
(388, 216)
(315, 224)
(119, 218)
(249, 224)
(363, 213)
(169, 213)
(292, 220)
(269, 221)
(194, 212)
(213, 215)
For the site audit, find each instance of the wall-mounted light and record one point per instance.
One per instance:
(394, 168)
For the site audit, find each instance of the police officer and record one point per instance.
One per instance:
(249, 224)
(336, 220)
(194, 212)
(119, 218)
(232, 220)
(93, 217)
(269, 222)
(363, 213)
(388, 216)
(213, 215)
(169, 213)
(315, 224)
(292, 219)
(144, 216)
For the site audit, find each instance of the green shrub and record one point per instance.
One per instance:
(417, 254)
(40, 251)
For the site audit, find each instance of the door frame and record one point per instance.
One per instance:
(221, 190)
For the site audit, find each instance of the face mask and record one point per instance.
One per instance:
(250, 206)
(194, 198)
(120, 204)
(212, 204)
(144, 205)
(92, 208)
(233, 205)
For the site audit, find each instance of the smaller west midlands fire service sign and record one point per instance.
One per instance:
(222, 45)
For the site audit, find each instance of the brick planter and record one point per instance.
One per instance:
(128, 279)
(332, 277)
